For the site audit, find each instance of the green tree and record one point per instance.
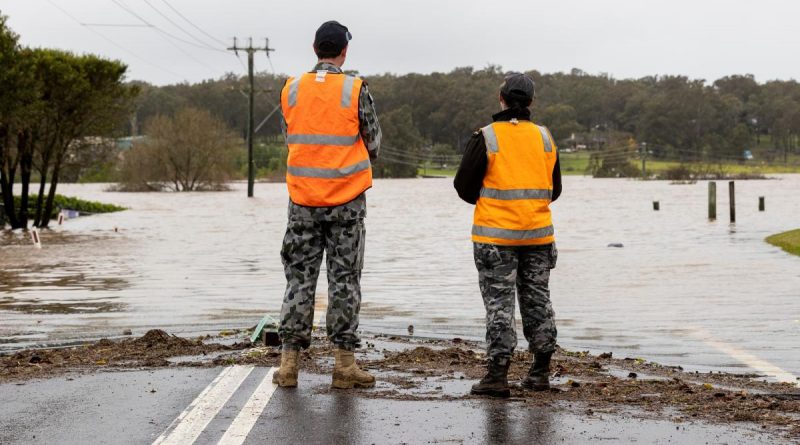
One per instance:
(79, 97)
(17, 94)
(400, 152)
(561, 120)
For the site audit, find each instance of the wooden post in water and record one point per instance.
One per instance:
(732, 200)
(761, 205)
(712, 200)
(656, 206)
(37, 242)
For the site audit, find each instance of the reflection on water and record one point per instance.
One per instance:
(57, 277)
(193, 261)
(40, 307)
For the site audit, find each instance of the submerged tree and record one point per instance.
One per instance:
(190, 151)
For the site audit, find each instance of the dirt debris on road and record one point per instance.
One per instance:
(411, 369)
(608, 385)
(151, 350)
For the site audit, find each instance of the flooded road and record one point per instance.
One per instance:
(682, 290)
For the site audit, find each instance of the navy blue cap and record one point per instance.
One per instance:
(332, 36)
(519, 86)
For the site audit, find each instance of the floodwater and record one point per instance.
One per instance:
(682, 290)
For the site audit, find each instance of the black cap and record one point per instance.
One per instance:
(518, 86)
(332, 36)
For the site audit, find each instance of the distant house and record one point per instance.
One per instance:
(126, 143)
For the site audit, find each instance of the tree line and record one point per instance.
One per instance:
(430, 117)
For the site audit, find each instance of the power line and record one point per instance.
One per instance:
(107, 39)
(204, 44)
(271, 66)
(398, 161)
(389, 159)
(115, 25)
(238, 59)
(420, 157)
(204, 32)
(161, 31)
(164, 35)
(192, 24)
(617, 155)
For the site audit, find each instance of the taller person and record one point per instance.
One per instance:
(332, 132)
(510, 171)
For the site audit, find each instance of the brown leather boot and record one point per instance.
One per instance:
(346, 374)
(286, 376)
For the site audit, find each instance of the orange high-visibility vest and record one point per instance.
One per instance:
(328, 162)
(514, 204)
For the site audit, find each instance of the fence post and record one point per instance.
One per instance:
(732, 200)
(712, 200)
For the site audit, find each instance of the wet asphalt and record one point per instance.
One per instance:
(135, 407)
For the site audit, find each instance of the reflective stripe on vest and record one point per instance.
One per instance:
(513, 206)
(548, 144)
(516, 193)
(347, 91)
(328, 163)
(328, 173)
(491, 139)
(493, 232)
(293, 87)
(321, 139)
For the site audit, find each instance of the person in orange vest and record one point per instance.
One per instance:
(510, 171)
(332, 132)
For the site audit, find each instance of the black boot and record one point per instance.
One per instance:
(495, 383)
(538, 378)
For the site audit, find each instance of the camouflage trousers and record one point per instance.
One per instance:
(339, 233)
(523, 271)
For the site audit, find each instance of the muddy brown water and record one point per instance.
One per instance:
(682, 291)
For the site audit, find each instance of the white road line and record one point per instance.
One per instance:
(189, 408)
(205, 407)
(745, 357)
(246, 419)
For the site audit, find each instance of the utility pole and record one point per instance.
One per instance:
(251, 172)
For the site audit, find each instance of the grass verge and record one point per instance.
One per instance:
(788, 241)
(67, 202)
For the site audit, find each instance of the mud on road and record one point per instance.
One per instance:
(426, 369)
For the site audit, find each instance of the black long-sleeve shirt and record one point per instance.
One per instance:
(469, 178)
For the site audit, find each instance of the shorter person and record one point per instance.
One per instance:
(510, 171)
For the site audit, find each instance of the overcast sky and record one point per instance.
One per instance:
(625, 38)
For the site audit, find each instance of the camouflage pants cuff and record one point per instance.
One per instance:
(346, 346)
(292, 347)
(501, 360)
(498, 357)
(544, 350)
